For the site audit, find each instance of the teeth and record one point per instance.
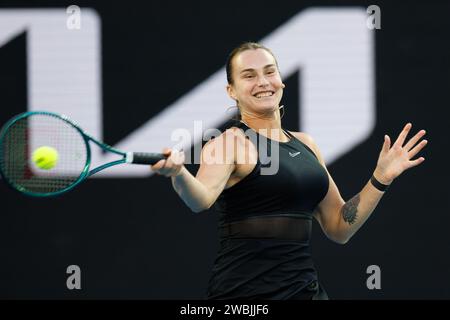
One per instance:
(264, 94)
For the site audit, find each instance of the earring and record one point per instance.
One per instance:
(282, 109)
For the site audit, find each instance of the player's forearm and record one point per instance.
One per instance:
(355, 212)
(191, 191)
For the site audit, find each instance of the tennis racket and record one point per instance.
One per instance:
(21, 136)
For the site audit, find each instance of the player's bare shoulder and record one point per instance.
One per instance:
(305, 138)
(224, 148)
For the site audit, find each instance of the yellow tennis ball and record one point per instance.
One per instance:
(45, 157)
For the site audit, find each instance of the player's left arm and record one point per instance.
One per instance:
(340, 219)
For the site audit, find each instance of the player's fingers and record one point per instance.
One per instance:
(402, 136)
(416, 162)
(171, 165)
(414, 140)
(159, 165)
(178, 157)
(386, 144)
(167, 152)
(174, 163)
(417, 148)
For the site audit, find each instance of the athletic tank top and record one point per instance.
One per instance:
(296, 189)
(265, 226)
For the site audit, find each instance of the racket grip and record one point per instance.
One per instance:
(144, 158)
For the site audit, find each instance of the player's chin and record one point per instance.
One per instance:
(267, 107)
(266, 111)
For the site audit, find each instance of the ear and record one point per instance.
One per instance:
(230, 92)
(283, 85)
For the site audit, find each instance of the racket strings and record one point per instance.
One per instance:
(24, 136)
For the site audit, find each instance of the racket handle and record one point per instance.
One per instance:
(144, 158)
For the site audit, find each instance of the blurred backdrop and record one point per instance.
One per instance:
(130, 73)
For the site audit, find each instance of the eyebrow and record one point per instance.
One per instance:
(265, 67)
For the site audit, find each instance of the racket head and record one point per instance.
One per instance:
(26, 132)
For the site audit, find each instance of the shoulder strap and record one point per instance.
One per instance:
(288, 133)
(299, 141)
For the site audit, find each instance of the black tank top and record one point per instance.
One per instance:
(265, 226)
(296, 189)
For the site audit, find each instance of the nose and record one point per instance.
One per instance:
(262, 81)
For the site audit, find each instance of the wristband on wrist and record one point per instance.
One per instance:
(377, 184)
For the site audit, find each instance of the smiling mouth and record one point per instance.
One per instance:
(263, 94)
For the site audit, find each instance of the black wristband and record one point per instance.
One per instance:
(377, 184)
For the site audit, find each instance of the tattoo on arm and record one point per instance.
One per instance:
(350, 209)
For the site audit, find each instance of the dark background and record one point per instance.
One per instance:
(134, 238)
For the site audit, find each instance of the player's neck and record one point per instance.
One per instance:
(263, 121)
(267, 125)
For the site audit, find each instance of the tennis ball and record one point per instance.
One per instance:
(45, 157)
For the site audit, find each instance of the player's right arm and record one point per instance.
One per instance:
(216, 166)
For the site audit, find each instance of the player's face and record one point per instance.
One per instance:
(257, 84)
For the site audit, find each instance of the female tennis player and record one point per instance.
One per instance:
(265, 220)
